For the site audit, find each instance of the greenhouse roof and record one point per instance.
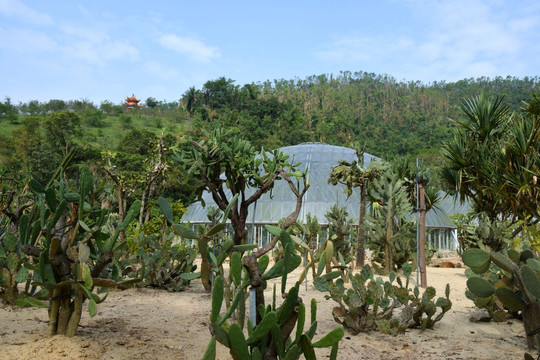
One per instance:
(319, 158)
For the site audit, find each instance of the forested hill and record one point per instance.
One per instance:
(390, 117)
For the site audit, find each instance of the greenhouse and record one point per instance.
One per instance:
(319, 158)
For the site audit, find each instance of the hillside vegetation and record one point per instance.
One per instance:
(392, 118)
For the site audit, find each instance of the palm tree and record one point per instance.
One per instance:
(190, 99)
(470, 168)
(494, 159)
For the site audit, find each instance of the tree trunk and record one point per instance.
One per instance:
(75, 318)
(531, 323)
(54, 307)
(388, 261)
(360, 240)
(11, 294)
(256, 281)
(422, 236)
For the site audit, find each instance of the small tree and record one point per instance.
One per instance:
(226, 163)
(355, 175)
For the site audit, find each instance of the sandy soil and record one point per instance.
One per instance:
(155, 324)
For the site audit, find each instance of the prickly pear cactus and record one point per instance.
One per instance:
(518, 290)
(370, 302)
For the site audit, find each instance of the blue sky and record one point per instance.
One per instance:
(106, 50)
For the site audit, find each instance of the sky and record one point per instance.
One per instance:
(108, 50)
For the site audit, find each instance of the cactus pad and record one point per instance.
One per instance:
(480, 287)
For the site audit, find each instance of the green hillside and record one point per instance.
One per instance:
(392, 118)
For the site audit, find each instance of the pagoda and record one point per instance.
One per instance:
(132, 102)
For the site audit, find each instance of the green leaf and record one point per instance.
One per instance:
(84, 226)
(10, 242)
(480, 287)
(475, 258)
(407, 270)
(334, 351)
(300, 323)
(166, 209)
(86, 275)
(217, 298)
(36, 186)
(190, 276)
(330, 339)
(50, 199)
(236, 267)
(274, 230)
(307, 348)
(24, 232)
(210, 353)
(278, 268)
(534, 264)
(12, 262)
(299, 242)
(22, 275)
(184, 231)
(229, 207)
(263, 262)
(132, 212)
(72, 197)
(263, 328)
(87, 180)
(531, 280)
(215, 229)
(286, 256)
(25, 300)
(84, 252)
(238, 342)
(245, 247)
(92, 308)
(332, 275)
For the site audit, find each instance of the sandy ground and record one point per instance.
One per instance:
(155, 324)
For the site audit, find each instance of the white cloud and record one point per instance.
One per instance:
(193, 48)
(96, 47)
(161, 71)
(452, 40)
(26, 41)
(18, 10)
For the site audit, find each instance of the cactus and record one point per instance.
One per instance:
(271, 337)
(70, 256)
(517, 289)
(12, 271)
(369, 303)
(160, 263)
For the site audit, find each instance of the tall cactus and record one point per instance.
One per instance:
(71, 255)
